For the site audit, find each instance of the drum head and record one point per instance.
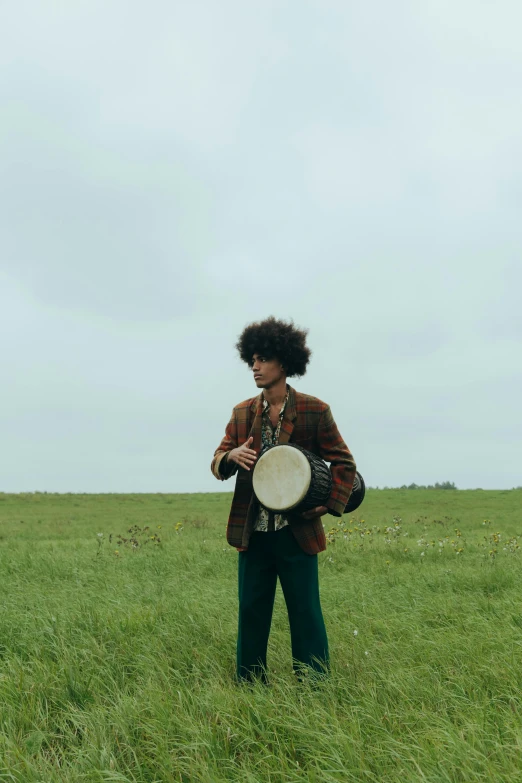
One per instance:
(281, 478)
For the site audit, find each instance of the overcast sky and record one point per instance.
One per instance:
(170, 171)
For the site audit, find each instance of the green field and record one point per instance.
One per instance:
(117, 634)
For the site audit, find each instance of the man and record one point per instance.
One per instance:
(273, 545)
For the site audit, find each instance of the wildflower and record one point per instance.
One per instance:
(100, 535)
(422, 554)
(366, 652)
(355, 633)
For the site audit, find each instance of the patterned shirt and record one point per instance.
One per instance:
(268, 520)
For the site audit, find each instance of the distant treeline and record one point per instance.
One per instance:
(442, 485)
(437, 485)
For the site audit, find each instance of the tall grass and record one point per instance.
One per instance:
(117, 650)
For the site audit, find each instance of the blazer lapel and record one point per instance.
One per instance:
(256, 410)
(289, 417)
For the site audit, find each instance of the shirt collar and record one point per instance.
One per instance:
(266, 404)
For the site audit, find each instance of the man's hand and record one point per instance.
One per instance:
(244, 456)
(315, 513)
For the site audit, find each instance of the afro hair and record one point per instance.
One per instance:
(276, 339)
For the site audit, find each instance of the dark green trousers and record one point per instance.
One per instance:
(272, 555)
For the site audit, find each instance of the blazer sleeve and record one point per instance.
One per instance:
(342, 465)
(220, 466)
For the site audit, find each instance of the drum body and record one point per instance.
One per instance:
(357, 496)
(290, 478)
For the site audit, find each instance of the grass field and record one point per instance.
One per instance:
(117, 656)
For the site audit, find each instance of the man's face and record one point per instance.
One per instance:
(267, 372)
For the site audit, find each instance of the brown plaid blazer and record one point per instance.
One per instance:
(308, 422)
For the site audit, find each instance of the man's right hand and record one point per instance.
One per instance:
(244, 456)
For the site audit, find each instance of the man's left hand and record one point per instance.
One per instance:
(315, 513)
